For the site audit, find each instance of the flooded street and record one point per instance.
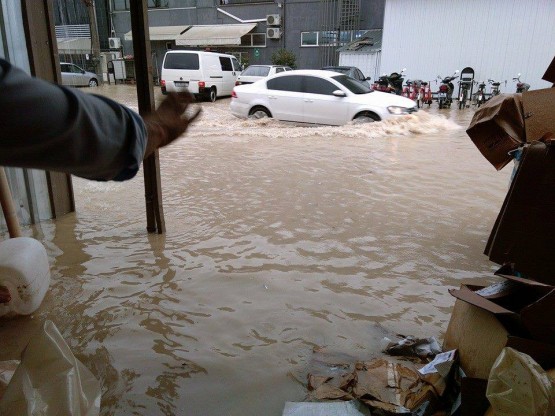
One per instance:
(279, 238)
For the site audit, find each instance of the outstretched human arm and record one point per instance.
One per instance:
(45, 126)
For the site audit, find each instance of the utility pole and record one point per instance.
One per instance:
(95, 41)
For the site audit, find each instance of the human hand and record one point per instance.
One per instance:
(169, 121)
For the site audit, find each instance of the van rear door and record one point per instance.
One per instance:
(181, 71)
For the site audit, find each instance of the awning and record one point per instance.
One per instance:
(214, 35)
(161, 32)
(73, 45)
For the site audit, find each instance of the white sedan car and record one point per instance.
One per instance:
(315, 96)
(255, 73)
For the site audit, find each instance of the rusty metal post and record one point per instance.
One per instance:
(145, 96)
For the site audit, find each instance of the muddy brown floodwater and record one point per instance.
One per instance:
(279, 238)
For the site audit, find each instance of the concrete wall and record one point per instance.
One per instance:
(498, 38)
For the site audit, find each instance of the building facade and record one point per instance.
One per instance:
(311, 29)
(496, 38)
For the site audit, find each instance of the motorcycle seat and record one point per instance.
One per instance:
(496, 84)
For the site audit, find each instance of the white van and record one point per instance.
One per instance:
(205, 74)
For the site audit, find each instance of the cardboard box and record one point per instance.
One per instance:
(498, 127)
(479, 338)
(550, 73)
(524, 231)
(524, 307)
(477, 335)
(539, 113)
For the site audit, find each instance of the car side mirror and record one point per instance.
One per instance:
(367, 78)
(339, 93)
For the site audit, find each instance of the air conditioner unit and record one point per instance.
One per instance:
(115, 43)
(273, 33)
(273, 19)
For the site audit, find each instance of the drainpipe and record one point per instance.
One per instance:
(95, 41)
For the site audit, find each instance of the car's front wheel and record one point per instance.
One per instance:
(259, 112)
(93, 82)
(366, 117)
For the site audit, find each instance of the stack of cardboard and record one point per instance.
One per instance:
(519, 311)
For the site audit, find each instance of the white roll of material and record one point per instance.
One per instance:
(25, 272)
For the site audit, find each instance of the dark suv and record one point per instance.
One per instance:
(351, 71)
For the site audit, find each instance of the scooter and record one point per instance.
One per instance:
(382, 84)
(463, 96)
(480, 96)
(396, 81)
(494, 88)
(445, 93)
(390, 83)
(426, 94)
(521, 86)
(414, 89)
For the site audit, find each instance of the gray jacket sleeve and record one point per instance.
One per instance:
(46, 126)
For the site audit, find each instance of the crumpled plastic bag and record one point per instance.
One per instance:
(50, 381)
(410, 346)
(518, 386)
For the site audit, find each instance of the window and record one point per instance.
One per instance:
(226, 64)
(181, 61)
(329, 37)
(286, 83)
(352, 85)
(169, 45)
(309, 38)
(253, 40)
(245, 1)
(151, 4)
(321, 86)
(278, 70)
(236, 64)
(257, 71)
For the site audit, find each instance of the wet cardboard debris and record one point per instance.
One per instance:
(524, 232)
(388, 385)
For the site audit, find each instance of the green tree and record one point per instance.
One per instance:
(284, 57)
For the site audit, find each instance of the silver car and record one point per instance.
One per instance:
(255, 73)
(76, 76)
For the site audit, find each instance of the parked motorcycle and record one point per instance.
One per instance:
(445, 93)
(382, 84)
(521, 86)
(480, 95)
(414, 89)
(494, 88)
(426, 93)
(392, 83)
(465, 87)
(396, 81)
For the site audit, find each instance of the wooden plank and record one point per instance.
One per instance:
(38, 23)
(145, 96)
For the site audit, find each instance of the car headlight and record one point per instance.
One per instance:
(397, 110)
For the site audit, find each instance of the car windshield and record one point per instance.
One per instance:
(256, 71)
(352, 84)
